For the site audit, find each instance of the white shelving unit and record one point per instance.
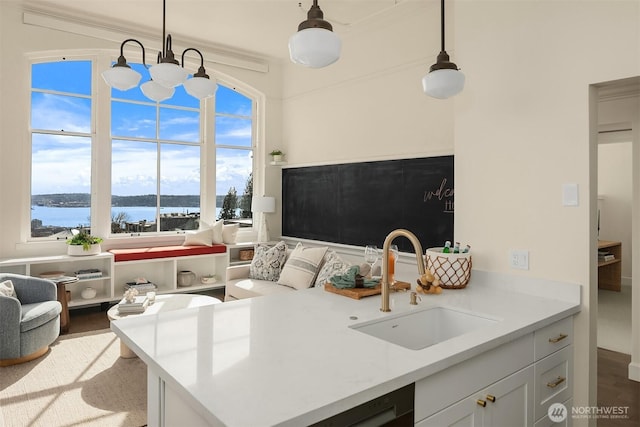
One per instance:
(234, 252)
(110, 287)
(36, 266)
(164, 272)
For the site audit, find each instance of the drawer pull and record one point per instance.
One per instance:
(491, 398)
(558, 338)
(481, 402)
(556, 383)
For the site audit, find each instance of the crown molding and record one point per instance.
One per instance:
(85, 27)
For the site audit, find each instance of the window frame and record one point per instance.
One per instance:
(101, 145)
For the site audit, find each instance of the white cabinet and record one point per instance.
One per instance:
(68, 265)
(566, 422)
(514, 384)
(505, 403)
(554, 367)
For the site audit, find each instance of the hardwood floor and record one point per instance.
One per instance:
(616, 390)
(614, 387)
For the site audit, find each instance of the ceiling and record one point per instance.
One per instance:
(258, 27)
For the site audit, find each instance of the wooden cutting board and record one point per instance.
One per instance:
(357, 293)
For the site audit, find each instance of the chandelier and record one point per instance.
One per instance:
(167, 74)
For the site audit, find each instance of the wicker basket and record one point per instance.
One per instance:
(453, 270)
(245, 254)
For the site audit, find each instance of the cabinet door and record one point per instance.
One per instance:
(553, 380)
(510, 401)
(506, 403)
(466, 413)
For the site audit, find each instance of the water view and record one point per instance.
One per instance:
(76, 216)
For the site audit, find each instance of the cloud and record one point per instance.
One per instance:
(59, 112)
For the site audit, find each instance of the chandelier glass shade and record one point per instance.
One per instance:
(444, 79)
(167, 74)
(315, 45)
(155, 91)
(122, 78)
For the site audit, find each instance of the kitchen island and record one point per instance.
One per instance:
(292, 359)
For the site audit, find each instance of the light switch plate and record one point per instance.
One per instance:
(569, 194)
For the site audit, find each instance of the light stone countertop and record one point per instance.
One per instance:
(291, 359)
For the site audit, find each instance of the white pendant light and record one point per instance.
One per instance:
(315, 45)
(156, 91)
(444, 79)
(200, 85)
(121, 75)
(167, 73)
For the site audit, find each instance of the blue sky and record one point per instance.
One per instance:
(134, 162)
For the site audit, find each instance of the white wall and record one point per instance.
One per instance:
(522, 129)
(17, 40)
(369, 105)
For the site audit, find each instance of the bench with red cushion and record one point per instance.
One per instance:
(136, 254)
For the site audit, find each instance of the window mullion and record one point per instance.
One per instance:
(101, 151)
(158, 168)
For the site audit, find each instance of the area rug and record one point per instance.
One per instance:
(81, 381)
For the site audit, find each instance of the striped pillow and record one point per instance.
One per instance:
(301, 268)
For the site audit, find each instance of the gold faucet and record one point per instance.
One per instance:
(385, 261)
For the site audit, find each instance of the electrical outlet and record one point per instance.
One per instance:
(519, 259)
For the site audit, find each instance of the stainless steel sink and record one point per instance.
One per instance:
(416, 330)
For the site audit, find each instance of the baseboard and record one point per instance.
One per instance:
(634, 371)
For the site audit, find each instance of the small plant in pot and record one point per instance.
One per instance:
(83, 243)
(276, 155)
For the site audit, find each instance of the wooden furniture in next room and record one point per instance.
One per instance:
(610, 271)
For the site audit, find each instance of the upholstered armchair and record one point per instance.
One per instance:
(29, 322)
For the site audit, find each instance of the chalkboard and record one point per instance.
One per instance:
(360, 203)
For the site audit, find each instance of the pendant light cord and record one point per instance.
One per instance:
(164, 18)
(442, 26)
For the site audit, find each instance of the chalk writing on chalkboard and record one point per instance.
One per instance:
(442, 193)
(360, 203)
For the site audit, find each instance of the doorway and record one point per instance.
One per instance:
(615, 199)
(618, 125)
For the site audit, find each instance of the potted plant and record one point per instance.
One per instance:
(82, 244)
(276, 155)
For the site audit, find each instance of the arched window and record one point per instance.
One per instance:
(154, 167)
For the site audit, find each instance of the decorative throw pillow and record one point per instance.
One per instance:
(198, 238)
(229, 233)
(216, 230)
(333, 265)
(302, 267)
(6, 289)
(267, 261)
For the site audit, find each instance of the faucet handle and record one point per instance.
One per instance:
(414, 298)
